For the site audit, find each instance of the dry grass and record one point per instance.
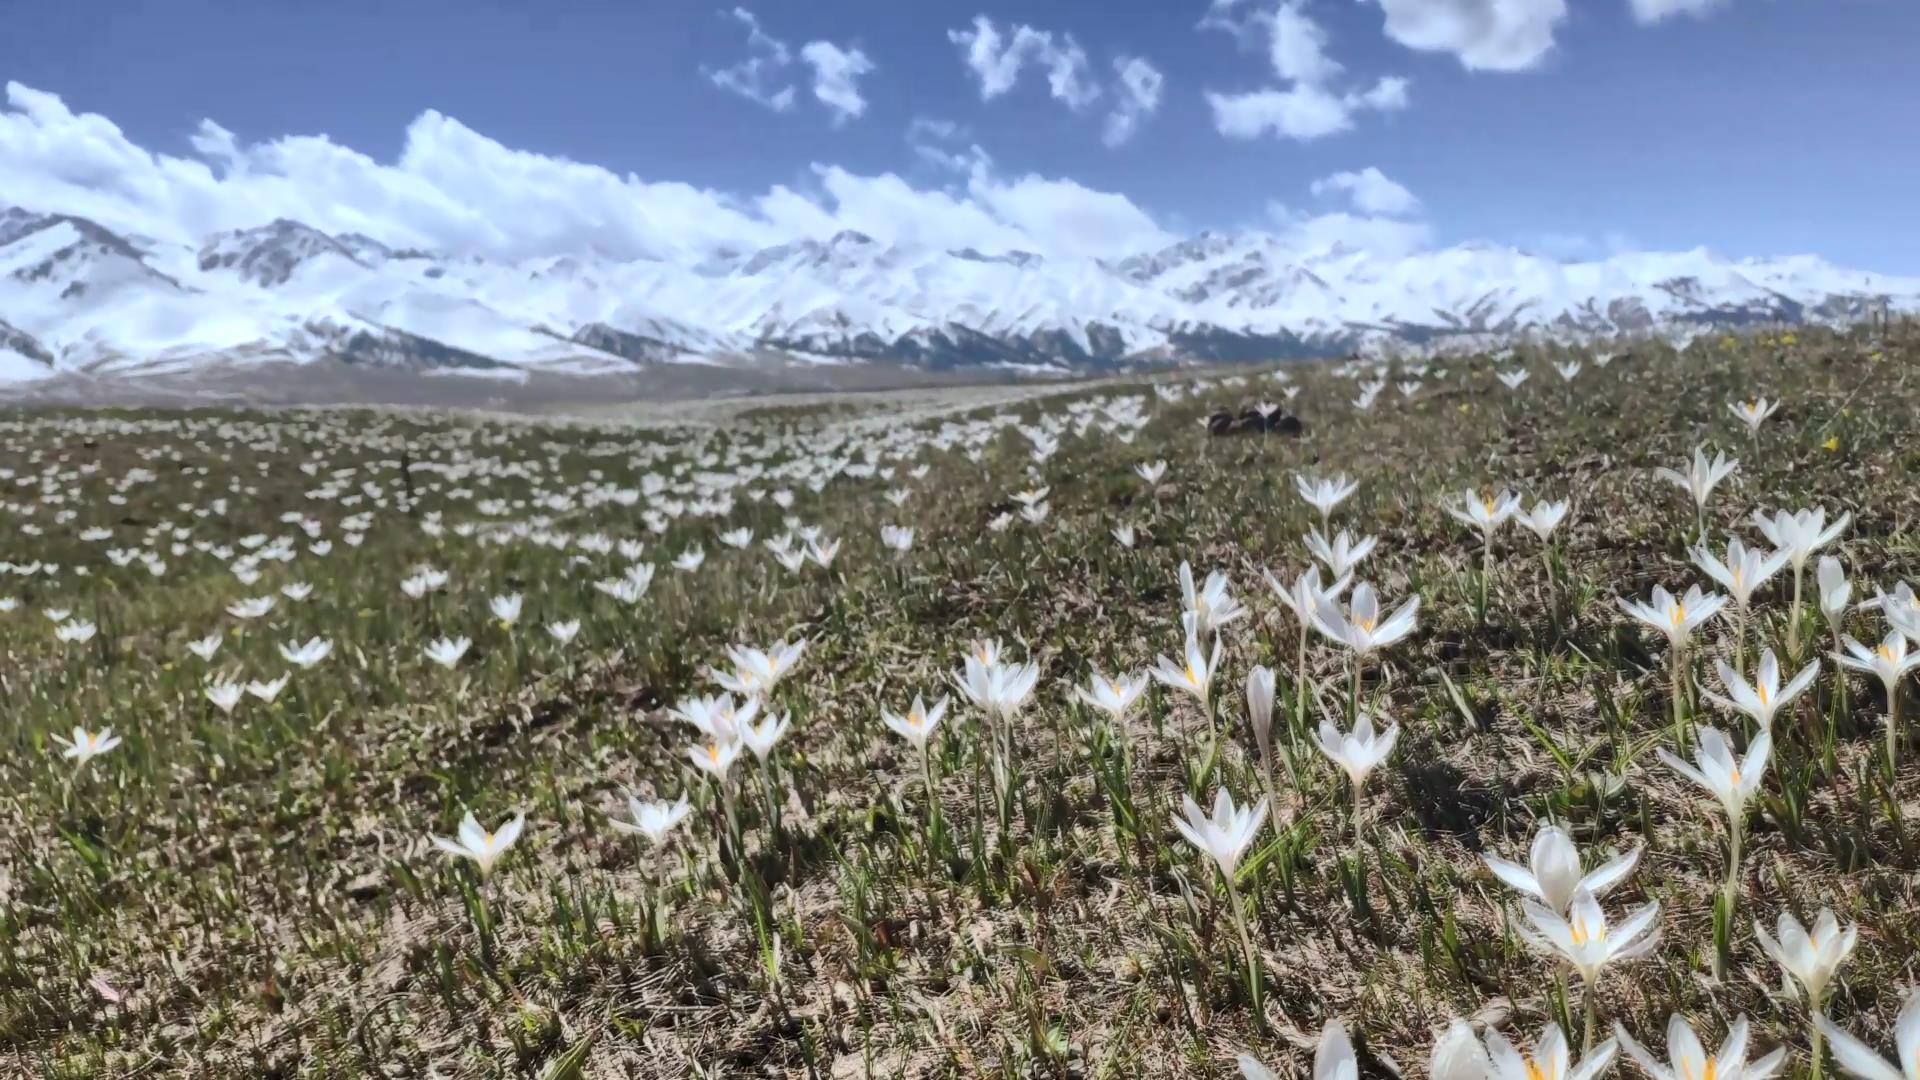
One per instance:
(259, 893)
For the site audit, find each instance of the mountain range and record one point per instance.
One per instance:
(79, 299)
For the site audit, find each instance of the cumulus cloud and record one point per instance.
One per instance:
(1370, 190)
(1297, 47)
(754, 78)
(1383, 221)
(1574, 246)
(455, 190)
(1304, 111)
(1307, 106)
(1385, 237)
(939, 143)
(836, 74)
(996, 61)
(1139, 87)
(763, 76)
(1653, 11)
(1484, 35)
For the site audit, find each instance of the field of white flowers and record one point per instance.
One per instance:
(1531, 716)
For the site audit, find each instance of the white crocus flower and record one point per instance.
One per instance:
(1553, 873)
(1731, 780)
(762, 737)
(653, 820)
(1699, 480)
(1114, 696)
(1763, 698)
(1859, 1060)
(1891, 662)
(1676, 617)
(564, 632)
(1483, 513)
(919, 723)
(1211, 605)
(1544, 518)
(1458, 1055)
(1812, 957)
(250, 608)
(224, 695)
(506, 608)
(1360, 627)
(1360, 751)
(1583, 938)
(307, 653)
(1743, 571)
(1835, 591)
(1687, 1059)
(1342, 553)
(483, 846)
(1195, 675)
(1753, 413)
(1324, 494)
(447, 651)
(269, 690)
(1226, 834)
(86, 745)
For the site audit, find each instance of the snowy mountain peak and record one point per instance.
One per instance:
(76, 296)
(269, 255)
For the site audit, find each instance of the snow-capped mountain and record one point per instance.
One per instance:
(77, 297)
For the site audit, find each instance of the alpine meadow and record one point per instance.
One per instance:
(1539, 713)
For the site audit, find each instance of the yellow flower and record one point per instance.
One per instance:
(1832, 443)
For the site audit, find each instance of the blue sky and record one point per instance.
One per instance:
(1573, 127)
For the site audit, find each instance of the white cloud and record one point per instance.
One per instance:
(1485, 35)
(1653, 11)
(1308, 106)
(751, 78)
(1066, 215)
(996, 61)
(836, 73)
(1138, 93)
(938, 142)
(1382, 236)
(455, 190)
(1574, 246)
(1304, 111)
(1371, 192)
(1384, 225)
(1298, 47)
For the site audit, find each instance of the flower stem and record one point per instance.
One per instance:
(1353, 698)
(1893, 723)
(1793, 616)
(1733, 859)
(1246, 945)
(1486, 575)
(1588, 1021)
(1300, 688)
(1815, 1041)
(1357, 790)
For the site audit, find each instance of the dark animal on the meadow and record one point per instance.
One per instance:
(1220, 423)
(1291, 427)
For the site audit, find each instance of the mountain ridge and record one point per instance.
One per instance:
(76, 297)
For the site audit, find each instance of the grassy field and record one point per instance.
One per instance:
(253, 891)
